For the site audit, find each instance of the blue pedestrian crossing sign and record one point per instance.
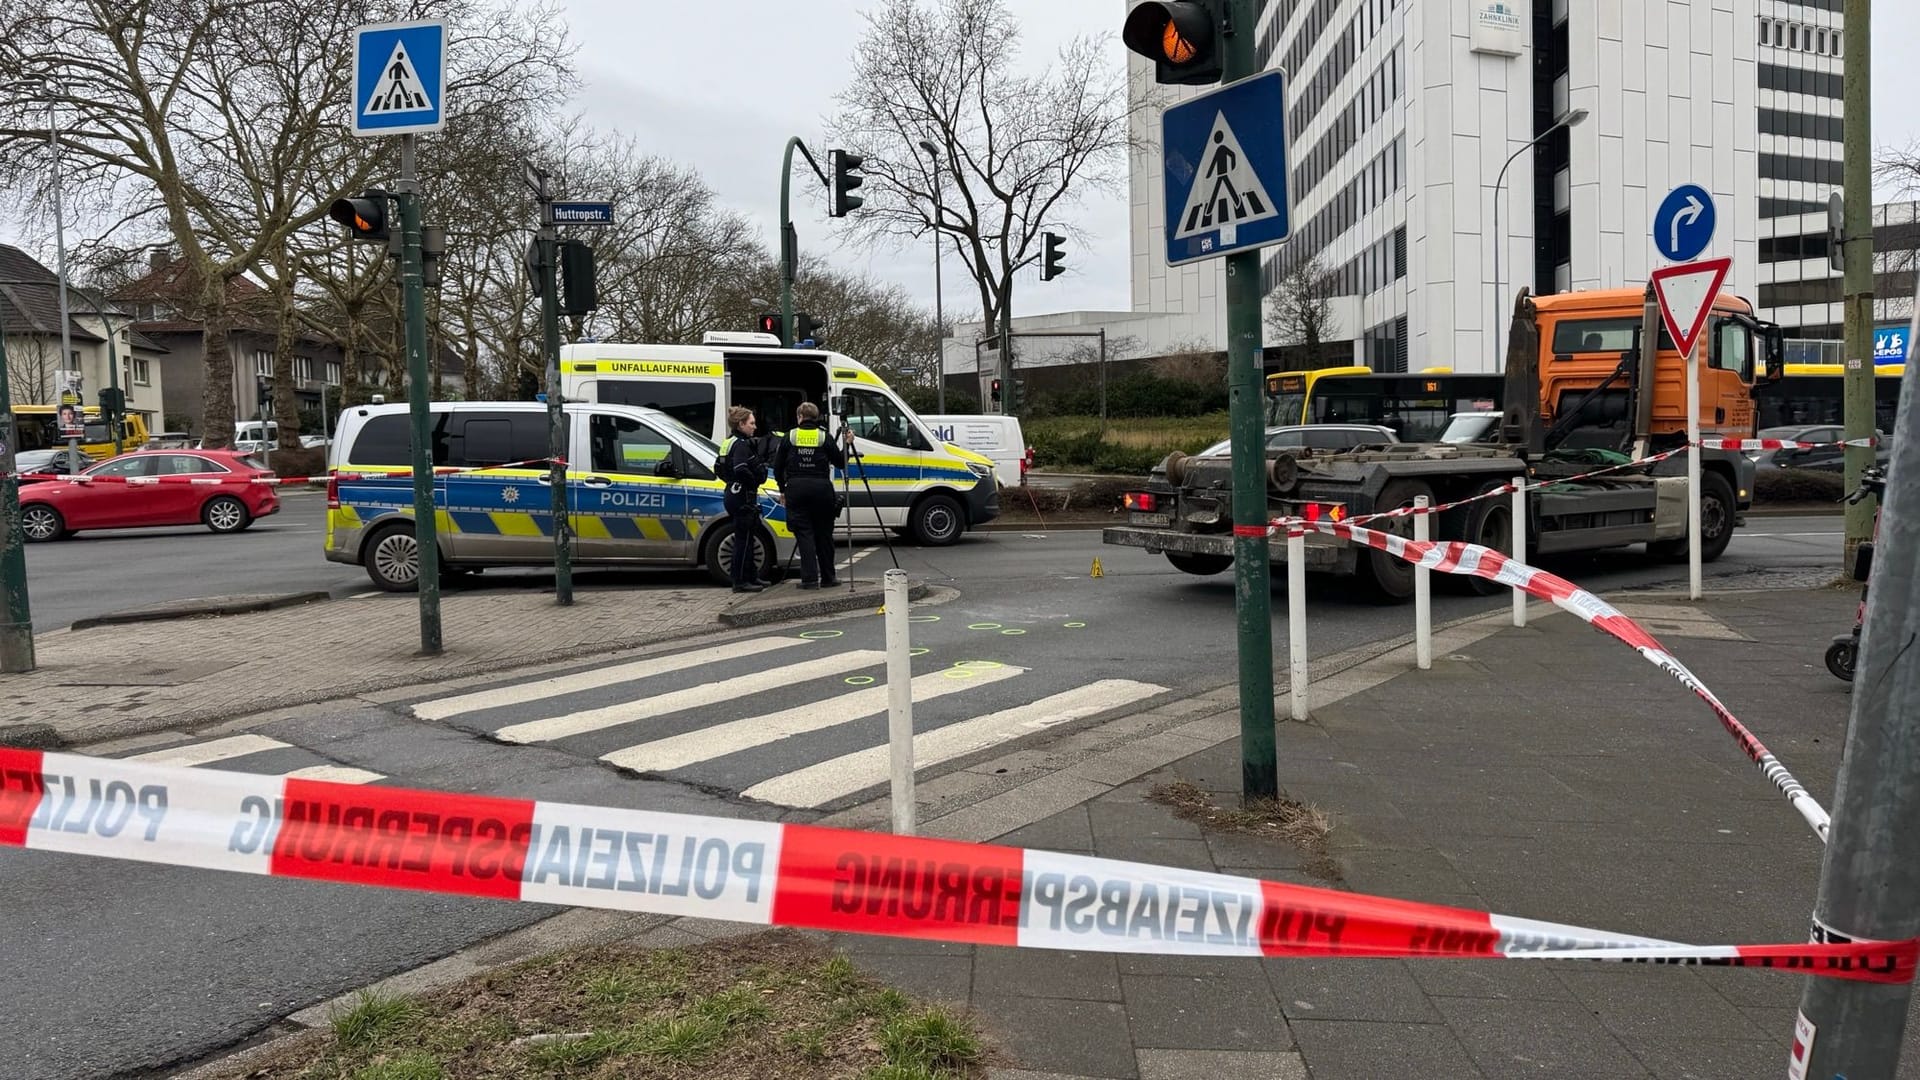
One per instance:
(399, 76)
(1225, 155)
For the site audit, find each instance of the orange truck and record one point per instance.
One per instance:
(1582, 391)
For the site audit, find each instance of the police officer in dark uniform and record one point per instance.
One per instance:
(744, 469)
(803, 469)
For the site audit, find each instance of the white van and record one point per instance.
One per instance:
(996, 438)
(906, 478)
(247, 437)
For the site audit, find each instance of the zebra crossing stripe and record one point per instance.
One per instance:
(818, 785)
(759, 682)
(206, 753)
(677, 751)
(521, 693)
(338, 774)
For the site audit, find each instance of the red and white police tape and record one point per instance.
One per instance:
(1472, 560)
(783, 875)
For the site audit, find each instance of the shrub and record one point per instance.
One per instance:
(1797, 485)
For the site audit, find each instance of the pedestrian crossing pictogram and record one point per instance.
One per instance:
(399, 89)
(1226, 191)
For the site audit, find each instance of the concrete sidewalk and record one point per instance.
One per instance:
(112, 681)
(1547, 772)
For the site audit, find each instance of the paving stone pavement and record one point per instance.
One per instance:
(114, 681)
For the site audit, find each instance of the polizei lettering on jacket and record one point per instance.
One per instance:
(1139, 911)
(656, 863)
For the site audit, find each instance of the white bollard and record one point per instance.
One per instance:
(1519, 545)
(899, 701)
(1422, 589)
(1297, 622)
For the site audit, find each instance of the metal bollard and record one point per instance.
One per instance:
(1422, 589)
(1297, 689)
(1519, 545)
(899, 701)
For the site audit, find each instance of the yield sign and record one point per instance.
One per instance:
(1686, 295)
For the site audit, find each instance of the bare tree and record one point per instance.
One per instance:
(1302, 313)
(31, 362)
(225, 119)
(1899, 260)
(1015, 150)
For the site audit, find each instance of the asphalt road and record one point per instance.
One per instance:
(157, 966)
(95, 573)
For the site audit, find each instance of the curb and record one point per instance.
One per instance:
(1042, 526)
(213, 605)
(1797, 510)
(788, 602)
(32, 737)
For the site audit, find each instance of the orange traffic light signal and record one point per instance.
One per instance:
(1183, 38)
(364, 217)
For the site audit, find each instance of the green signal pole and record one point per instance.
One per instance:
(413, 293)
(16, 620)
(1252, 572)
(1856, 308)
(789, 244)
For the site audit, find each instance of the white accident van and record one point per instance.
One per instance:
(996, 438)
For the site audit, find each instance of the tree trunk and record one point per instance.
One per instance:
(286, 408)
(217, 404)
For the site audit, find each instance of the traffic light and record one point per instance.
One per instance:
(806, 328)
(994, 393)
(364, 217)
(1051, 256)
(846, 177)
(1183, 38)
(578, 294)
(113, 402)
(770, 323)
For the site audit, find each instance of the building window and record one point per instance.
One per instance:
(140, 371)
(1779, 34)
(1835, 42)
(263, 363)
(333, 372)
(303, 368)
(1763, 31)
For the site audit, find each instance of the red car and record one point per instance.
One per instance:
(198, 487)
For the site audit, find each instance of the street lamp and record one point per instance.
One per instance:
(939, 315)
(1567, 121)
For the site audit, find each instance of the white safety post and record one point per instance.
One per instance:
(1693, 471)
(1519, 546)
(1297, 621)
(1422, 589)
(899, 701)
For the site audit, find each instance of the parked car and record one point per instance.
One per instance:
(171, 440)
(51, 461)
(315, 442)
(997, 438)
(1814, 459)
(1316, 437)
(225, 500)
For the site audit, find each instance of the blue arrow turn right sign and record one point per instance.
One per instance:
(1683, 225)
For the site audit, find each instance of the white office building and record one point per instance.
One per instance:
(1402, 113)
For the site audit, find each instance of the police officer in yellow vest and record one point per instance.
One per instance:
(803, 468)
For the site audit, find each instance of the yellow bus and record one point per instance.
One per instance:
(36, 427)
(1288, 391)
(1810, 394)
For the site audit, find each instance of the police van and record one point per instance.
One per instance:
(904, 476)
(641, 491)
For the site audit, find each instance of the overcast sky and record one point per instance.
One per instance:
(722, 84)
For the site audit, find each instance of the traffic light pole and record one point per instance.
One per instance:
(556, 407)
(1856, 309)
(1259, 761)
(789, 255)
(413, 294)
(16, 620)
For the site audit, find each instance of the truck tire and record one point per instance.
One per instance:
(1716, 524)
(1391, 579)
(1201, 564)
(1490, 525)
(937, 520)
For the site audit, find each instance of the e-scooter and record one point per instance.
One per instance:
(1844, 653)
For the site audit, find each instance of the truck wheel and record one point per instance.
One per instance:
(937, 521)
(1716, 524)
(1200, 564)
(1391, 578)
(1490, 525)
